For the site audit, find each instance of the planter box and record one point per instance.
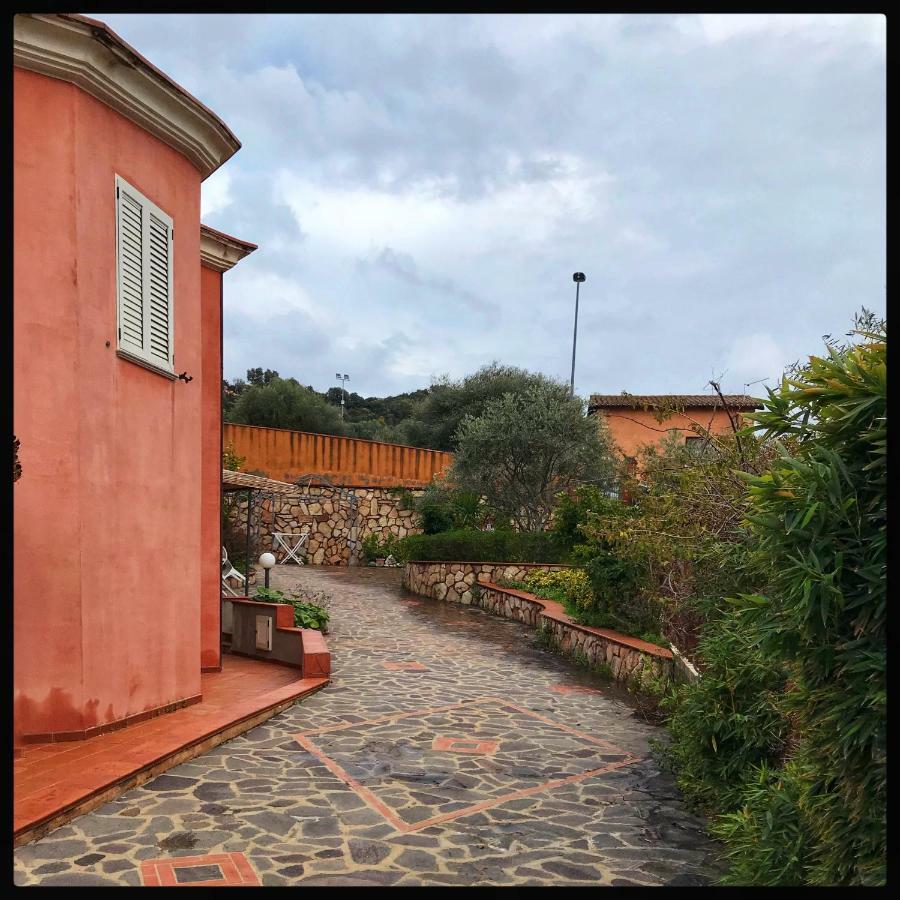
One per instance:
(302, 648)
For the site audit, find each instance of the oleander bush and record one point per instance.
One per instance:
(783, 739)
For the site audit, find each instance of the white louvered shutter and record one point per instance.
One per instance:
(145, 314)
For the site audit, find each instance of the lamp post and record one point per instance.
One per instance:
(578, 277)
(343, 379)
(267, 560)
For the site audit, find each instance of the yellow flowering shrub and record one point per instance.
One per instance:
(566, 584)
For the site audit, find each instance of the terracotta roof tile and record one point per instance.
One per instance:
(238, 481)
(685, 401)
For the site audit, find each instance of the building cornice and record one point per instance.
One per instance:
(221, 251)
(86, 53)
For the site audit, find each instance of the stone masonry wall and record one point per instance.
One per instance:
(453, 581)
(470, 583)
(336, 524)
(624, 661)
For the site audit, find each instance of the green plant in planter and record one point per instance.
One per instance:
(310, 607)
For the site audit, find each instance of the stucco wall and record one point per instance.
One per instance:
(633, 428)
(286, 455)
(107, 520)
(211, 520)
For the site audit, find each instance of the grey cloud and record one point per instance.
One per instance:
(296, 346)
(745, 190)
(403, 266)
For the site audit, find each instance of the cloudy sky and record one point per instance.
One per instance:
(422, 188)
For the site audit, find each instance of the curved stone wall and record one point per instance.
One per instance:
(472, 583)
(453, 581)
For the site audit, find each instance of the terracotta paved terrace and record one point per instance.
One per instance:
(449, 748)
(49, 779)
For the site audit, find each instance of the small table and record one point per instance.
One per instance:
(283, 542)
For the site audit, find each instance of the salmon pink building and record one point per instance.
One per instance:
(117, 366)
(635, 421)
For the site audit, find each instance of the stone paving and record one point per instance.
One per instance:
(449, 749)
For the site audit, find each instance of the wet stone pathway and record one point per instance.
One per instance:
(449, 749)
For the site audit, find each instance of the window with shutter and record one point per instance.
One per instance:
(144, 282)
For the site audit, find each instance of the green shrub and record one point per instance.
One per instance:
(571, 588)
(570, 584)
(370, 548)
(575, 509)
(483, 546)
(443, 507)
(784, 737)
(727, 721)
(374, 547)
(767, 843)
(590, 523)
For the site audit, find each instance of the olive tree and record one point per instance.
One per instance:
(525, 448)
(435, 420)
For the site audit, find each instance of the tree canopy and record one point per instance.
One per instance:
(428, 417)
(285, 403)
(525, 448)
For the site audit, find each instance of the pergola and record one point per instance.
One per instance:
(258, 490)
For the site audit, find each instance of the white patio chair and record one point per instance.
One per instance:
(229, 571)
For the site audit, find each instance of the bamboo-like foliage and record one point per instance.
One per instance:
(784, 736)
(819, 516)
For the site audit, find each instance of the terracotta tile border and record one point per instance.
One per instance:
(476, 746)
(574, 689)
(235, 868)
(304, 739)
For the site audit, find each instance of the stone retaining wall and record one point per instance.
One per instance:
(472, 583)
(337, 519)
(453, 581)
(623, 660)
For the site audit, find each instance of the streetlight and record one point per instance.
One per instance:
(578, 277)
(267, 560)
(343, 379)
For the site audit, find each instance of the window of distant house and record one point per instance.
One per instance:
(144, 236)
(695, 445)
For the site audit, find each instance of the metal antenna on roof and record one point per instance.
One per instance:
(751, 383)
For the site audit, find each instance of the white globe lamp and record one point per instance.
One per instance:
(267, 560)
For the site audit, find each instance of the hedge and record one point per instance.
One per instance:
(484, 546)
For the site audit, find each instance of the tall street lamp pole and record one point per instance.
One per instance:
(343, 379)
(578, 277)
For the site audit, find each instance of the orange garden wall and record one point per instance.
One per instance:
(633, 428)
(286, 455)
(113, 515)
